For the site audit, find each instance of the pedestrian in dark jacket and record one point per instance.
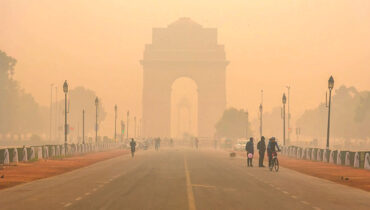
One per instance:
(249, 147)
(261, 146)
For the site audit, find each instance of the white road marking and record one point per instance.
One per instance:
(285, 192)
(189, 188)
(205, 186)
(68, 204)
(305, 202)
(316, 208)
(293, 196)
(78, 198)
(87, 193)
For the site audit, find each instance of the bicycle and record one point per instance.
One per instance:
(274, 162)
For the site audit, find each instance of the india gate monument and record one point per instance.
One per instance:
(183, 49)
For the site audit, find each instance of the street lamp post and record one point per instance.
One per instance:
(83, 126)
(115, 123)
(330, 86)
(51, 112)
(135, 127)
(260, 119)
(128, 114)
(246, 127)
(289, 130)
(65, 90)
(122, 130)
(284, 102)
(96, 120)
(261, 112)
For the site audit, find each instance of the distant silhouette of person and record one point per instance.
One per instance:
(133, 147)
(157, 143)
(196, 141)
(249, 147)
(261, 146)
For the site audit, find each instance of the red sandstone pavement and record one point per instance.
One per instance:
(27, 172)
(359, 178)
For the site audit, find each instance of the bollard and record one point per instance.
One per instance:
(314, 154)
(356, 162)
(51, 150)
(299, 152)
(326, 156)
(31, 153)
(367, 161)
(45, 152)
(308, 154)
(62, 150)
(319, 155)
(339, 158)
(57, 150)
(24, 154)
(333, 157)
(13, 155)
(303, 155)
(4, 156)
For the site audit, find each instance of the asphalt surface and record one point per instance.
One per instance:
(181, 179)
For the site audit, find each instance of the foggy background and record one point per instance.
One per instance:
(97, 45)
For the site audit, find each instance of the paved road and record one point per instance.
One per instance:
(181, 179)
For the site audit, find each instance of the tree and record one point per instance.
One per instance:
(81, 98)
(272, 124)
(233, 124)
(350, 117)
(18, 110)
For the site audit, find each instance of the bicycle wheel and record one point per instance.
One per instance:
(276, 165)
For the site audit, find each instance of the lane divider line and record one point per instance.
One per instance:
(189, 188)
(205, 186)
(68, 204)
(305, 202)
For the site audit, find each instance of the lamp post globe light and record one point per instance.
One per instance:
(284, 102)
(96, 120)
(65, 90)
(330, 86)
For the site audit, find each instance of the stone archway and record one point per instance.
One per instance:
(183, 49)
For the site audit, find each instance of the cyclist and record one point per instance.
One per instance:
(271, 148)
(133, 147)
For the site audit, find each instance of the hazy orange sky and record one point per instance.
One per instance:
(98, 44)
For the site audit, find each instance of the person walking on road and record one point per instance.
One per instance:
(133, 147)
(156, 143)
(249, 147)
(261, 146)
(196, 140)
